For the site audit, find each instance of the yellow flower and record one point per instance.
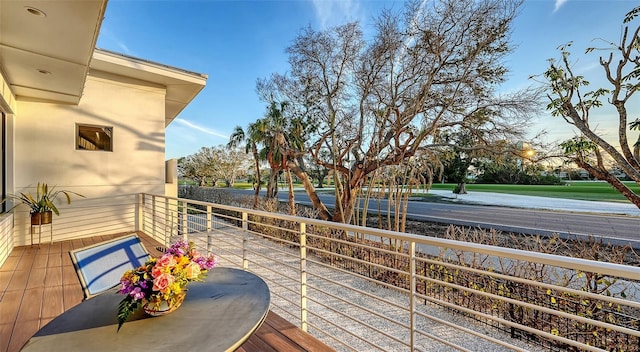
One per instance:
(193, 270)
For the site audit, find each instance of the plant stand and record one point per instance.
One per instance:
(39, 219)
(39, 227)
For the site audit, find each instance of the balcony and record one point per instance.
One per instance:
(364, 289)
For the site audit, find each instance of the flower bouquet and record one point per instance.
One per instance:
(162, 281)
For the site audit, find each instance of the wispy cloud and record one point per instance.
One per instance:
(107, 36)
(195, 127)
(588, 67)
(335, 12)
(124, 48)
(559, 4)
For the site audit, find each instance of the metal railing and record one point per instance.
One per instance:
(6, 236)
(365, 289)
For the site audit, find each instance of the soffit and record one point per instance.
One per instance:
(182, 86)
(60, 43)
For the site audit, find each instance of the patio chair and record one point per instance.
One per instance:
(101, 265)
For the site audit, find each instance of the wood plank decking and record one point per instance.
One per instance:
(39, 283)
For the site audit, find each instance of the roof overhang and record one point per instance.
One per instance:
(181, 85)
(46, 47)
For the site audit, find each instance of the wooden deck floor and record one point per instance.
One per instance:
(39, 283)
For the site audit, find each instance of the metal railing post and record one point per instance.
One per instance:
(209, 218)
(153, 217)
(172, 216)
(167, 218)
(303, 276)
(185, 221)
(245, 240)
(209, 235)
(412, 293)
(139, 212)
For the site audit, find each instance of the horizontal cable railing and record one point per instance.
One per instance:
(82, 218)
(366, 289)
(6, 236)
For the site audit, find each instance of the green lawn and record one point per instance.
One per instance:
(587, 190)
(243, 185)
(584, 190)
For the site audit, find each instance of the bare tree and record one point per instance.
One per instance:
(433, 67)
(568, 100)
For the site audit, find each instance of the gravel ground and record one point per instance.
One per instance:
(339, 301)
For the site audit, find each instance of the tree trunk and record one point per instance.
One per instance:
(258, 177)
(323, 213)
(461, 188)
(272, 185)
(405, 208)
(347, 203)
(292, 204)
(612, 180)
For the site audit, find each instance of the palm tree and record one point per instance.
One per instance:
(285, 142)
(250, 139)
(295, 142)
(280, 140)
(275, 144)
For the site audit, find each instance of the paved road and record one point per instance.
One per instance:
(620, 229)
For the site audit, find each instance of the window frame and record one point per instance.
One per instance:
(107, 130)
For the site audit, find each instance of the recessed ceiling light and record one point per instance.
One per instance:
(35, 12)
(44, 72)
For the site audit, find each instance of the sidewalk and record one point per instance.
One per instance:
(534, 202)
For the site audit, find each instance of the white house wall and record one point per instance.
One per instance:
(45, 152)
(7, 99)
(7, 106)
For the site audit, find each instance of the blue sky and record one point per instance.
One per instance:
(237, 42)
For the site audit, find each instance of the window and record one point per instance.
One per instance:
(91, 137)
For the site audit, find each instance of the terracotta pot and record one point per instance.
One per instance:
(41, 218)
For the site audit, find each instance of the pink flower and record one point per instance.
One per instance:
(163, 281)
(157, 271)
(163, 265)
(166, 260)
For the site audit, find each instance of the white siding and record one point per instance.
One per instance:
(45, 152)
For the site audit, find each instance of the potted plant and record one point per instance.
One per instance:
(43, 204)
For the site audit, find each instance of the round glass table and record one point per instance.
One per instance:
(219, 314)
